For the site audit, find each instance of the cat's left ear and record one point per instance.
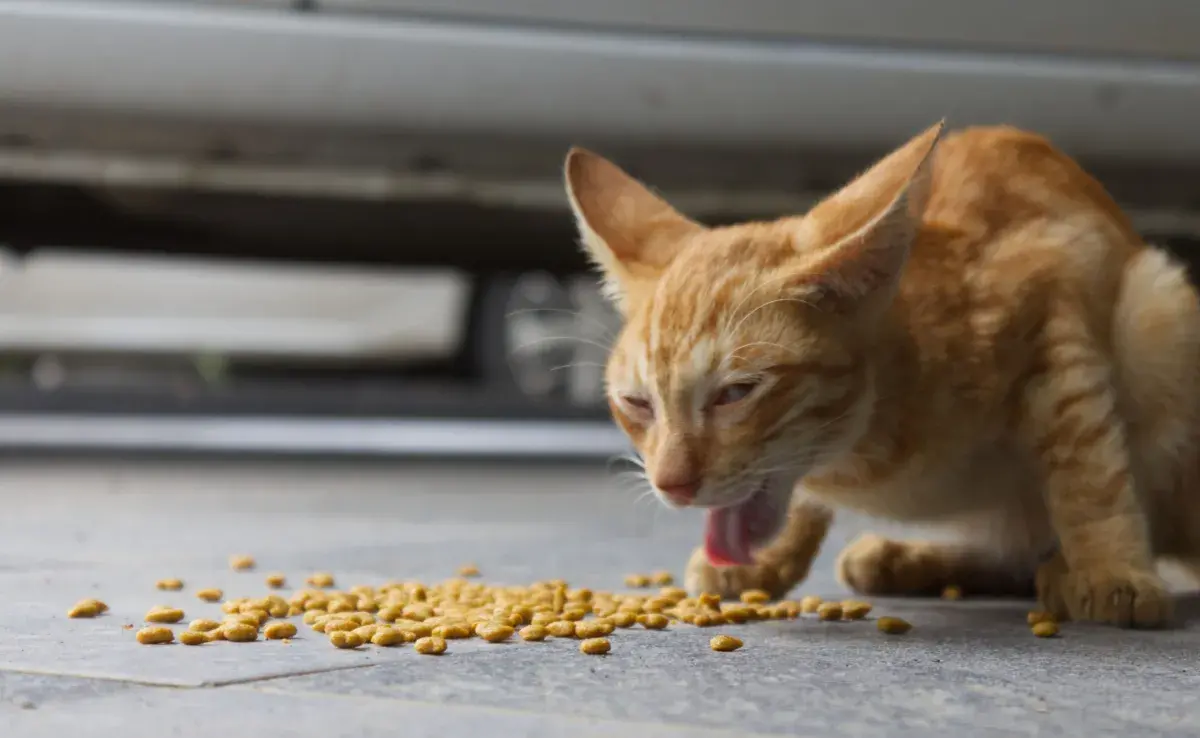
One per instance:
(861, 235)
(628, 231)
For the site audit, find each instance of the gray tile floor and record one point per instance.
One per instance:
(107, 529)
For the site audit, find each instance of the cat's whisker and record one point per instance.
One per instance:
(604, 327)
(530, 345)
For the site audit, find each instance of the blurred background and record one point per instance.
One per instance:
(337, 227)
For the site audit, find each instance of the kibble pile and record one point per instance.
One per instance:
(428, 616)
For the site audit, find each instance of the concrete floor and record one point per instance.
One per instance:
(110, 530)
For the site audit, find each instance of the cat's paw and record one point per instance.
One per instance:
(875, 565)
(727, 581)
(1121, 596)
(1051, 583)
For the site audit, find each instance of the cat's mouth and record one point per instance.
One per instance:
(733, 532)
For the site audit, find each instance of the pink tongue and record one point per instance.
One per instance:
(725, 537)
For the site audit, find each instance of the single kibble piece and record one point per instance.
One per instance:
(193, 638)
(345, 639)
(335, 624)
(210, 595)
(756, 597)
(855, 609)
(707, 619)
(367, 632)
(709, 600)
(1045, 629)
(595, 646)
(171, 585)
(276, 580)
(430, 646)
(452, 631)
(388, 637)
(533, 633)
(637, 581)
(893, 626)
(321, 580)
(562, 629)
(810, 604)
(241, 562)
(725, 643)
(653, 621)
(737, 613)
(87, 609)
(830, 611)
(203, 625)
(674, 594)
(662, 579)
(468, 570)
(494, 632)
(624, 619)
(1039, 616)
(239, 632)
(574, 613)
(279, 631)
(592, 629)
(164, 615)
(154, 635)
(952, 592)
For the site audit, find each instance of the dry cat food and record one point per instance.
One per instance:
(163, 614)
(431, 646)
(494, 632)
(637, 581)
(345, 639)
(203, 625)
(561, 629)
(468, 570)
(725, 643)
(662, 578)
(88, 608)
(321, 580)
(893, 626)
(755, 597)
(276, 580)
(211, 594)
(595, 646)
(1045, 629)
(241, 562)
(280, 630)
(239, 632)
(387, 637)
(952, 592)
(810, 604)
(154, 635)
(653, 621)
(533, 633)
(193, 638)
(171, 585)
(855, 609)
(830, 611)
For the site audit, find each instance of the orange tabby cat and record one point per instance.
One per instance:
(969, 333)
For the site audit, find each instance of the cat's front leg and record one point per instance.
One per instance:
(778, 567)
(1106, 572)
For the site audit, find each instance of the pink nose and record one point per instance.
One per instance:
(680, 494)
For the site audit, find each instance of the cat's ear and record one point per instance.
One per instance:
(629, 232)
(862, 234)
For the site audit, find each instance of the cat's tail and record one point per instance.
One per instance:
(1156, 345)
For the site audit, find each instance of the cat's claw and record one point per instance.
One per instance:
(1117, 595)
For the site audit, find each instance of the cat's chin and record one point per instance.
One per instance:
(732, 533)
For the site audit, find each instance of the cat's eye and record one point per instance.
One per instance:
(734, 393)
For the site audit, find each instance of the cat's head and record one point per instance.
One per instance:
(744, 360)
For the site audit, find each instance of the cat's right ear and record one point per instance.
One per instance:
(629, 232)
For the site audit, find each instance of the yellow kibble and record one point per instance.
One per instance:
(533, 633)
(345, 639)
(662, 578)
(1039, 616)
(321, 580)
(707, 619)
(241, 562)
(855, 609)
(468, 570)
(239, 632)
(280, 630)
(155, 635)
(674, 594)
(430, 646)
(637, 581)
(210, 595)
(452, 631)
(653, 621)
(893, 626)
(830, 611)
(334, 624)
(562, 628)
(624, 619)
(171, 585)
(388, 637)
(544, 618)
(276, 580)
(574, 613)
(595, 646)
(952, 592)
(1045, 629)
(366, 632)
(193, 638)
(709, 600)
(810, 604)
(87, 609)
(494, 632)
(737, 613)
(203, 625)
(725, 643)
(593, 629)
(231, 606)
(164, 615)
(756, 596)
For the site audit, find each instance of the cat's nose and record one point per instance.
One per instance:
(680, 493)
